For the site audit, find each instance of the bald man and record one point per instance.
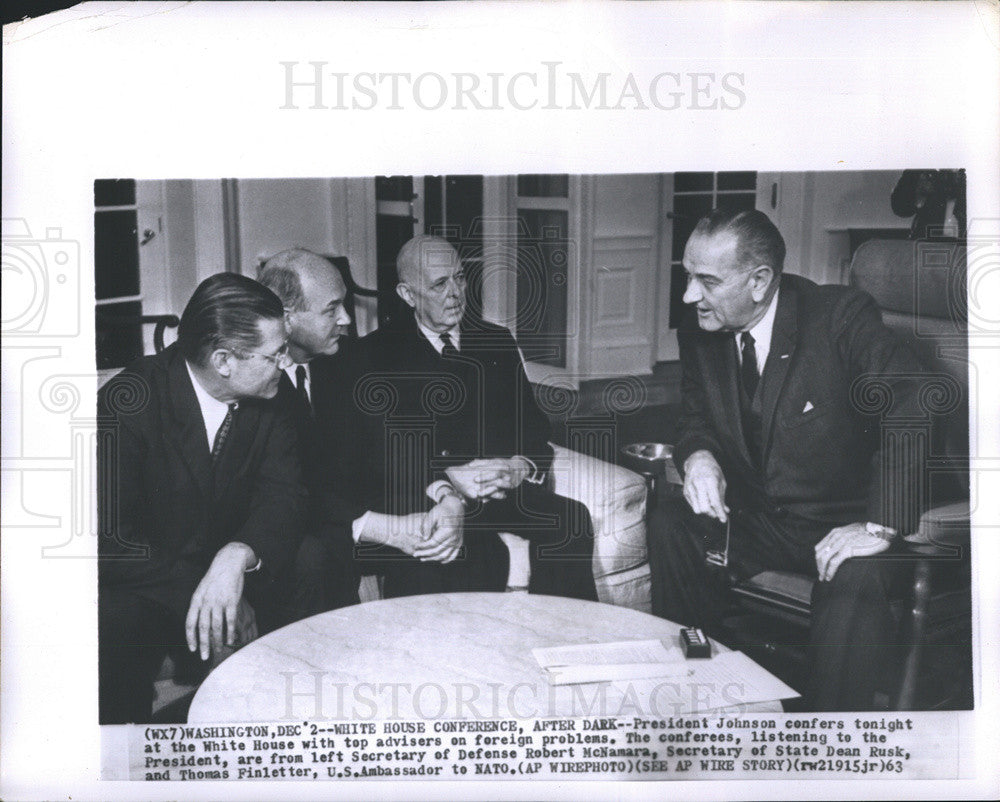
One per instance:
(446, 417)
(314, 389)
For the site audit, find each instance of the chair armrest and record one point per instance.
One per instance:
(944, 527)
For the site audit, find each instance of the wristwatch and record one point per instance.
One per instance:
(884, 532)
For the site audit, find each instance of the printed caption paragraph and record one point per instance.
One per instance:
(690, 747)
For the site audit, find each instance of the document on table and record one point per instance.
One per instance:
(602, 662)
(726, 679)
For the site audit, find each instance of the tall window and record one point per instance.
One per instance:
(695, 195)
(116, 273)
(543, 265)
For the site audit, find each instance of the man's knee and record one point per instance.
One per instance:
(672, 525)
(860, 578)
(313, 559)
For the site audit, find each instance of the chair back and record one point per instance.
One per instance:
(920, 287)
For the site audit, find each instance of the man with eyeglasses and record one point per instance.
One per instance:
(775, 444)
(200, 491)
(447, 425)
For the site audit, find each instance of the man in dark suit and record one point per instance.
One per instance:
(200, 490)
(450, 420)
(314, 389)
(776, 443)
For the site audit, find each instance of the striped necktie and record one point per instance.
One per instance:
(223, 434)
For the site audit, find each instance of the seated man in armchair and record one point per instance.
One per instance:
(200, 492)
(776, 444)
(450, 424)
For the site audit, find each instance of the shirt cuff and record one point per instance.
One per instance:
(255, 567)
(439, 489)
(358, 526)
(536, 477)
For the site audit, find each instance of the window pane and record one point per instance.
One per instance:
(114, 192)
(692, 182)
(742, 201)
(543, 186)
(543, 265)
(116, 254)
(747, 180)
(688, 210)
(394, 188)
(118, 334)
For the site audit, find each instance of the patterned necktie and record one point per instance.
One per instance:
(748, 371)
(449, 347)
(300, 386)
(223, 434)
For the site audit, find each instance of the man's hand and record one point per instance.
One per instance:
(705, 486)
(403, 532)
(843, 543)
(489, 478)
(443, 531)
(216, 599)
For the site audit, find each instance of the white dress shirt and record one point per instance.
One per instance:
(213, 411)
(761, 333)
(290, 372)
(435, 337)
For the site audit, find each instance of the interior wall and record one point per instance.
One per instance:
(330, 216)
(835, 202)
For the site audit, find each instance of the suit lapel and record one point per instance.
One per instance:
(779, 358)
(188, 430)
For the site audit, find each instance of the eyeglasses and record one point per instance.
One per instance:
(280, 360)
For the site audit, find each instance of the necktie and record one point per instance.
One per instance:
(749, 374)
(300, 386)
(223, 434)
(449, 347)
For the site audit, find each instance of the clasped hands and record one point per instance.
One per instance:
(705, 492)
(493, 478)
(438, 535)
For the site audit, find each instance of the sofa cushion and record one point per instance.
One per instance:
(616, 499)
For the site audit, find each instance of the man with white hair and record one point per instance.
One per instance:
(450, 424)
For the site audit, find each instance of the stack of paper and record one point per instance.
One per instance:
(607, 662)
(637, 669)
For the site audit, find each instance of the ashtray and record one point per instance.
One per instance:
(649, 452)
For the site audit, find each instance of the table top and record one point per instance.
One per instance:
(449, 655)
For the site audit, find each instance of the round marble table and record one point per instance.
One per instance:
(453, 655)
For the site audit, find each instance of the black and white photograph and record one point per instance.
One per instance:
(542, 418)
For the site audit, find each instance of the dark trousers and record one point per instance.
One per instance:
(561, 549)
(322, 577)
(134, 634)
(138, 624)
(852, 627)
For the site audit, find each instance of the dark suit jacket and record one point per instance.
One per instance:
(827, 465)
(165, 512)
(421, 412)
(323, 447)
